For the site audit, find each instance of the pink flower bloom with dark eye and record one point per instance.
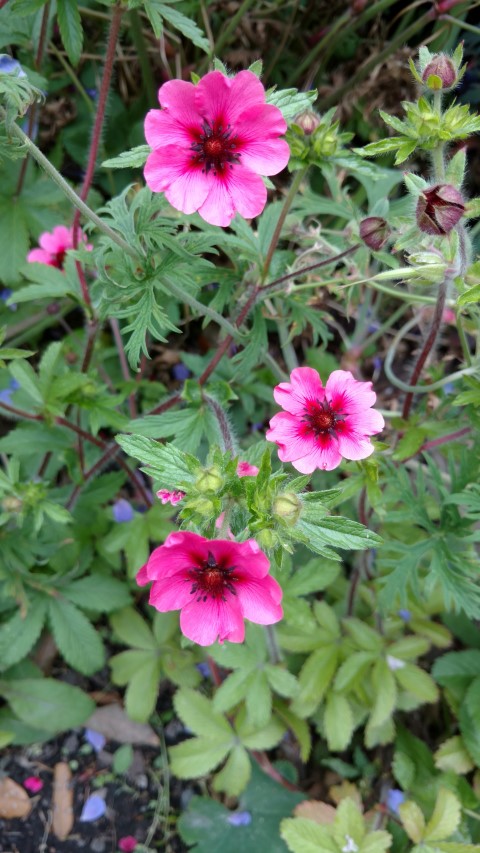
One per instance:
(170, 497)
(211, 142)
(215, 583)
(54, 246)
(244, 469)
(321, 425)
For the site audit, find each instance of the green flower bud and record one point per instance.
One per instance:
(308, 121)
(203, 506)
(287, 507)
(440, 73)
(267, 539)
(210, 480)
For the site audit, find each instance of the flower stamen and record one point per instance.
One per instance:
(211, 580)
(215, 148)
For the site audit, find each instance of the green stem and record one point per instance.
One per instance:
(274, 367)
(288, 350)
(67, 190)
(140, 47)
(73, 77)
(294, 187)
(204, 310)
(463, 338)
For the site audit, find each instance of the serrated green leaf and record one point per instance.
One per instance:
(142, 690)
(452, 755)
(445, 818)
(291, 102)
(353, 670)
(235, 774)
(186, 26)
(403, 768)
(299, 727)
(338, 722)
(99, 593)
(197, 757)
(258, 700)
(25, 375)
(282, 681)
(132, 629)
(75, 637)
(413, 820)
(231, 691)
(126, 664)
(363, 635)
(385, 692)
(47, 704)
(265, 738)
(20, 633)
(302, 835)
(313, 577)
(70, 25)
(196, 712)
(470, 296)
(376, 842)
(417, 682)
(133, 159)
(348, 821)
(13, 239)
(314, 680)
(167, 463)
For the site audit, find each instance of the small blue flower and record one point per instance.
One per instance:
(122, 511)
(5, 294)
(181, 372)
(377, 362)
(95, 739)
(240, 818)
(395, 798)
(8, 65)
(204, 668)
(92, 93)
(405, 615)
(93, 808)
(6, 396)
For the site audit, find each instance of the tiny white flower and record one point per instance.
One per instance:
(394, 663)
(350, 846)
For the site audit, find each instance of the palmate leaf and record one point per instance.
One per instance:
(148, 316)
(47, 704)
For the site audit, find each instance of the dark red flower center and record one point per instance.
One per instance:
(320, 417)
(215, 148)
(58, 259)
(211, 580)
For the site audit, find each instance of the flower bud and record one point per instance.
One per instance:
(439, 208)
(287, 507)
(308, 121)
(440, 73)
(267, 539)
(374, 232)
(210, 480)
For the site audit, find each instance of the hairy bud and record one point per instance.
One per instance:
(308, 121)
(439, 208)
(440, 73)
(210, 480)
(287, 507)
(374, 232)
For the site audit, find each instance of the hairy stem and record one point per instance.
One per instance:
(294, 187)
(225, 431)
(427, 346)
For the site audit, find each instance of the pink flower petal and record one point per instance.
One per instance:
(325, 455)
(180, 549)
(305, 385)
(261, 149)
(260, 602)
(142, 576)
(368, 422)
(247, 556)
(59, 240)
(347, 394)
(218, 208)
(171, 593)
(244, 469)
(205, 621)
(33, 784)
(170, 170)
(39, 256)
(246, 190)
(213, 99)
(179, 98)
(246, 93)
(162, 128)
(289, 433)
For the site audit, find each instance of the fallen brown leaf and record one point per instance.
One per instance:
(112, 722)
(14, 800)
(62, 801)
(315, 810)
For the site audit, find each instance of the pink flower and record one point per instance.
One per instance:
(244, 469)
(54, 245)
(216, 584)
(211, 142)
(33, 784)
(170, 497)
(320, 425)
(127, 844)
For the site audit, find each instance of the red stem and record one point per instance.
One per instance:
(444, 439)
(429, 342)
(96, 136)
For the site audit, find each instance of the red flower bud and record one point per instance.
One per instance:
(374, 232)
(441, 66)
(439, 208)
(308, 121)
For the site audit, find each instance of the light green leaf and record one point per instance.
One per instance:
(13, 239)
(132, 629)
(184, 25)
(470, 296)
(385, 692)
(417, 682)
(70, 25)
(338, 722)
(291, 102)
(348, 822)
(413, 820)
(313, 577)
(196, 712)
(281, 680)
(452, 755)
(376, 842)
(353, 670)
(197, 757)
(78, 641)
(25, 375)
(314, 680)
(258, 700)
(409, 648)
(47, 704)
(445, 818)
(235, 774)
(133, 159)
(299, 727)
(232, 690)
(305, 836)
(167, 463)
(142, 691)
(265, 738)
(364, 636)
(126, 664)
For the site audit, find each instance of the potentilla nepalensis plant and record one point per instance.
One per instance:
(321, 425)
(54, 246)
(211, 143)
(216, 584)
